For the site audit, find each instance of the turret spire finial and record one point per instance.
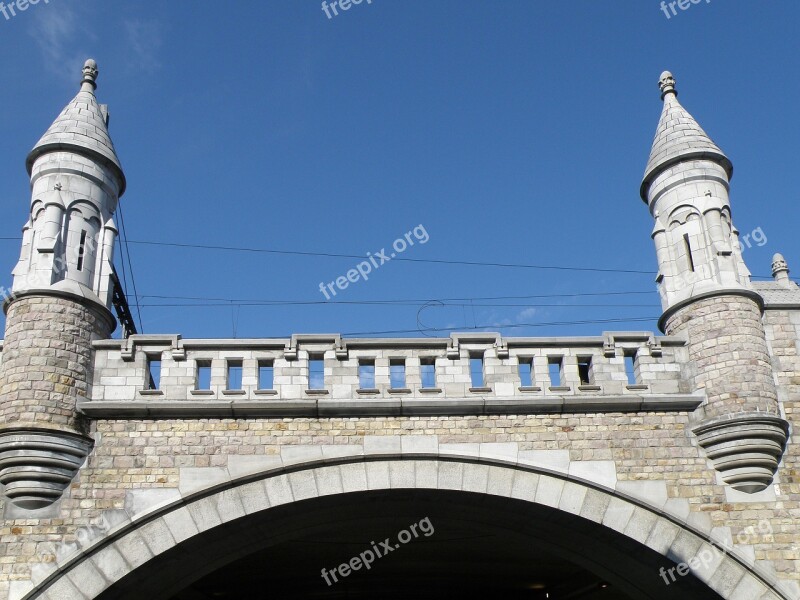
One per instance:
(667, 84)
(90, 73)
(780, 269)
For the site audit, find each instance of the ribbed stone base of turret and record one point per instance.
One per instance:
(37, 465)
(745, 448)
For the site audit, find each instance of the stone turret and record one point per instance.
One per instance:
(780, 271)
(707, 295)
(61, 301)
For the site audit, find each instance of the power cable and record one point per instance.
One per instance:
(413, 260)
(413, 301)
(130, 266)
(363, 257)
(497, 326)
(322, 302)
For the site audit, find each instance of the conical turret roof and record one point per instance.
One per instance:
(82, 127)
(678, 137)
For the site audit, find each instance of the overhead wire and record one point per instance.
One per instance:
(510, 326)
(130, 266)
(410, 300)
(321, 302)
(394, 259)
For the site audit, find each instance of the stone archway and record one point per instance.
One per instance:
(620, 539)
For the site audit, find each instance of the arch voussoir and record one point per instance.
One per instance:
(140, 541)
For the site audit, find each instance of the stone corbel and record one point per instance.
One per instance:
(341, 350)
(655, 348)
(290, 352)
(37, 465)
(128, 349)
(501, 348)
(178, 351)
(723, 249)
(609, 346)
(745, 448)
(453, 349)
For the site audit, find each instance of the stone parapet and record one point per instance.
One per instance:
(517, 375)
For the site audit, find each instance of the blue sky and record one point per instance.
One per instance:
(514, 132)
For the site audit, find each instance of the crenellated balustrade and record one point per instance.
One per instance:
(163, 376)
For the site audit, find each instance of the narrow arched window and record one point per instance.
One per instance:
(688, 251)
(81, 250)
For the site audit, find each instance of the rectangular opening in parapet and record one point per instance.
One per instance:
(476, 370)
(526, 371)
(235, 369)
(397, 373)
(316, 372)
(585, 369)
(630, 366)
(203, 375)
(266, 375)
(554, 369)
(428, 372)
(153, 372)
(366, 374)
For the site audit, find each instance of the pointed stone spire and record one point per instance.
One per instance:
(780, 269)
(82, 127)
(63, 293)
(678, 137)
(76, 183)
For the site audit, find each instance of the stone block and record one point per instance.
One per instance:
(193, 480)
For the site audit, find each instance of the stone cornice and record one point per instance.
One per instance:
(745, 293)
(360, 407)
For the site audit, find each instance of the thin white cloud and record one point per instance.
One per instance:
(494, 320)
(526, 314)
(144, 41)
(59, 31)
(501, 323)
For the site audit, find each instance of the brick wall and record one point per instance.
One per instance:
(657, 447)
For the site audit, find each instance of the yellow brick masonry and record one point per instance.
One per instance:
(652, 446)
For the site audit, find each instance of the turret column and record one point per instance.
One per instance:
(60, 302)
(707, 295)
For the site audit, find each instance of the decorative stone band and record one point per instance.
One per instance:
(95, 303)
(36, 466)
(727, 291)
(321, 408)
(745, 448)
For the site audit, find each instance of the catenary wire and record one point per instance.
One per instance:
(130, 267)
(497, 326)
(395, 259)
(406, 300)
